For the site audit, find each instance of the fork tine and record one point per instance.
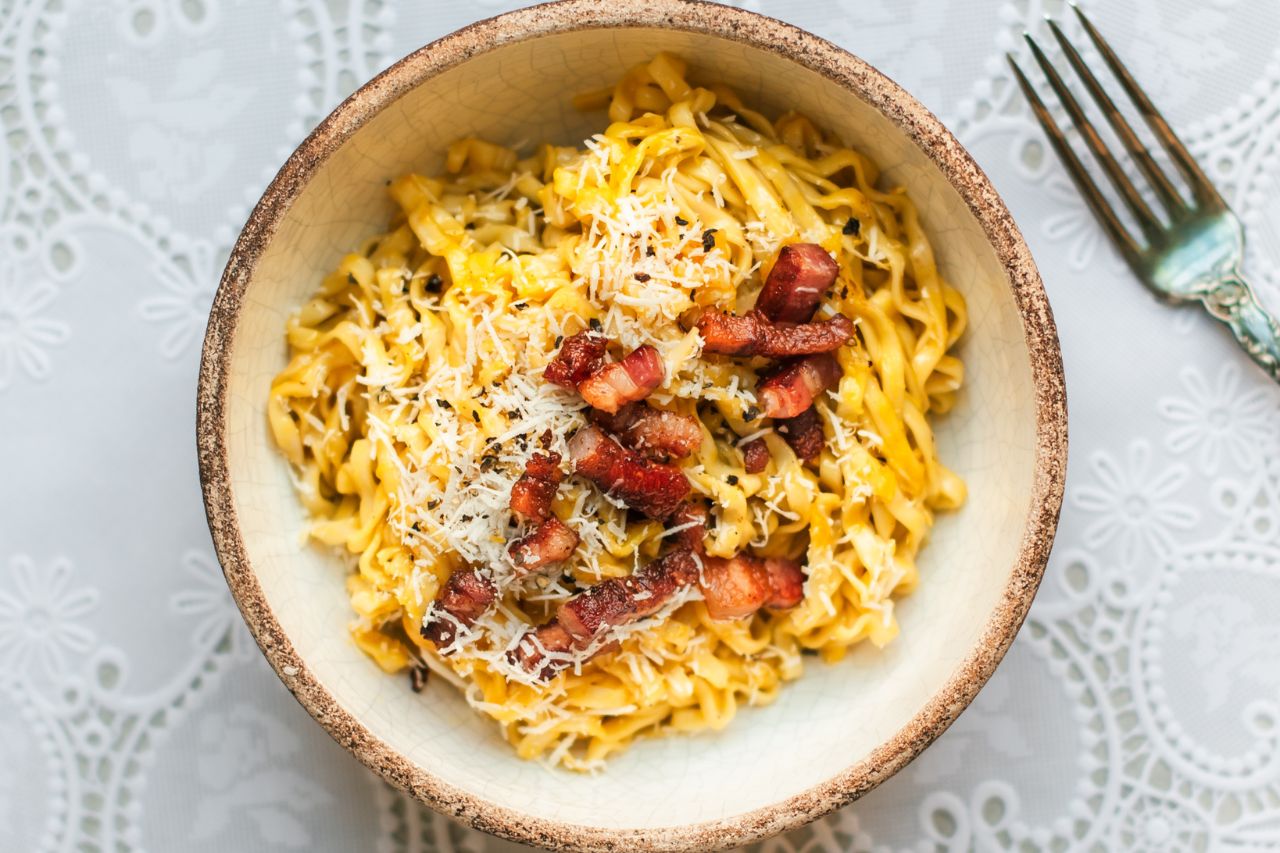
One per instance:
(1097, 201)
(1169, 196)
(1141, 212)
(1203, 189)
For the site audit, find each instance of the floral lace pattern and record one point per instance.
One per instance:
(1138, 710)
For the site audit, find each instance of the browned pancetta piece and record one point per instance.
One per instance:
(741, 585)
(793, 387)
(803, 433)
(532, 494)
(614, 385)
(462, 600)
(754, 333)
(652, 431)
(588, 616)
(795, 285)
(652, 488)
(549, 544)
(755, 456)
(580, 355)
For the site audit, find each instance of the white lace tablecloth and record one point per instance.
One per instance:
(1138, 710)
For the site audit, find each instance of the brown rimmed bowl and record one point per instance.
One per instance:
(841, 729)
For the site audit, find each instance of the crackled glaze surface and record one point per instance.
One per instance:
(511, 79)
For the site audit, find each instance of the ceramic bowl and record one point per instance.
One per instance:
(841, 729)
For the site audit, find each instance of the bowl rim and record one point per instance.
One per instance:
(809, 51)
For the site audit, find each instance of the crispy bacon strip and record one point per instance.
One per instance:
(612, 386)
(754, 333)
(653, 431)
(532, 494)
(552, 639)
(551, 542)
(465, 597)
(741, 585)
(580, 355)
(755, 456)
(618, 601)
(587, 616)
(795, 285)
(803, 433)
(786, 579)
(794, 387)
(697, 515)
(531, 651)
(735, 587)
(650, 487)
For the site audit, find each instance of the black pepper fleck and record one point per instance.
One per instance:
(642, 276)
(444, 404)
(750, 413)
(732, 479)
(708, 239)
(559, 340)
(852, 226)
(475, 416)
(434, 283)
(681, 221)
(650, 251)
(595, 325)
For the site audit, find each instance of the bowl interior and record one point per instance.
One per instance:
(835, 716)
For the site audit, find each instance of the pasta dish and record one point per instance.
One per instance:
(615, 435)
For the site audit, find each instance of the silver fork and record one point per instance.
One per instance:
(1195, 254)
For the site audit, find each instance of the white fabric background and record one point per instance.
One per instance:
(1139, 709)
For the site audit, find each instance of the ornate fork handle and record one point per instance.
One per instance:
(1193, 252)
(1231, 300)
